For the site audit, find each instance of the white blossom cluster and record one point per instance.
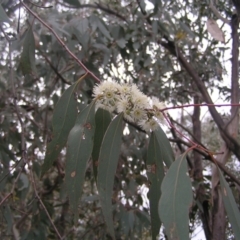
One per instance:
(127, 98)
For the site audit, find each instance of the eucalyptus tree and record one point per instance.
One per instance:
(89, 145)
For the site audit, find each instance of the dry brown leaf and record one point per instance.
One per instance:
(215, 31)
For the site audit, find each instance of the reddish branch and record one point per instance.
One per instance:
(63, 44)
(232, 143)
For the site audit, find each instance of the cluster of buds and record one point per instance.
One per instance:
(129, 100)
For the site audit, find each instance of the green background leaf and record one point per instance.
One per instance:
(79, 149)
(108, 160)
(102, 119)
(7, 213)
(64, 117)
(230, 205)
(166, 149)
(27, 61)
(176, 200)
(155, 173)
(3, 15)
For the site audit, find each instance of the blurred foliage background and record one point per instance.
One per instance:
(127, 41)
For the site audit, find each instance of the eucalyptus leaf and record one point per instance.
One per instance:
(167, 155)
(7, 213)
(102, 119)
(230, 205)
(64, 117)
(3, 16)
(176, 200)
(108, 160)
(27, 60)
(79, 149)
(155, 175)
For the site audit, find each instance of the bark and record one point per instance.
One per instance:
(231, 142)
(198, 170)
(218, 212)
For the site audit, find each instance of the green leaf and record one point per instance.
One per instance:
(166, 150)
(143, 217)
(64, 117)
(155, 174)
(102, 119)
(230, 206)
(24, 182)
(176, 200)
(79, 149)
(103, 28)
(121, 43)
(7, 213)
(27, 60)
(74, 3)
(108, 160)
(3, 16)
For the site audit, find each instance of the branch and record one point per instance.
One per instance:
(107, 10)
(54, 68)
(200, 105)
(43, 206)
(173, 131)
(217, 13)
(232, 143)
(234, 121)
(62, 43)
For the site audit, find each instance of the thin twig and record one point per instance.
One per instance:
(36, 5)
(54, 68)
(23, 140)
(12, 189)
(43, 206)
(200, 105)
(107, 10)
(217, 13)
(194, 145)
(62, 43)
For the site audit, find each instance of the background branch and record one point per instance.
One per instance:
(62, 43)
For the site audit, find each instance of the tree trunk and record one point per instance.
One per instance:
(198, 170)
(218, 212)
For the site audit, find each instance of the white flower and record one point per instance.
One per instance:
(157, 106)
(140, 100)
(122, 105)
(104, 104)
(159, 116)
(127, 98)
(149, 124)
(104, 87)
(106, 95)
(125, 89)
(139, 114)
(125, 105)
(135, 88)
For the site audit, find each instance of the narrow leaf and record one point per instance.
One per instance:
(155, 174)
(102, 119)
(215, 31)
(64, 117)
(7, 213)
(103, 28)
(27, 60)
(230, 205)
(176, 200)
(3, 16)
(166, 149)
(74, 3)
(79, 149)
(108, 160)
